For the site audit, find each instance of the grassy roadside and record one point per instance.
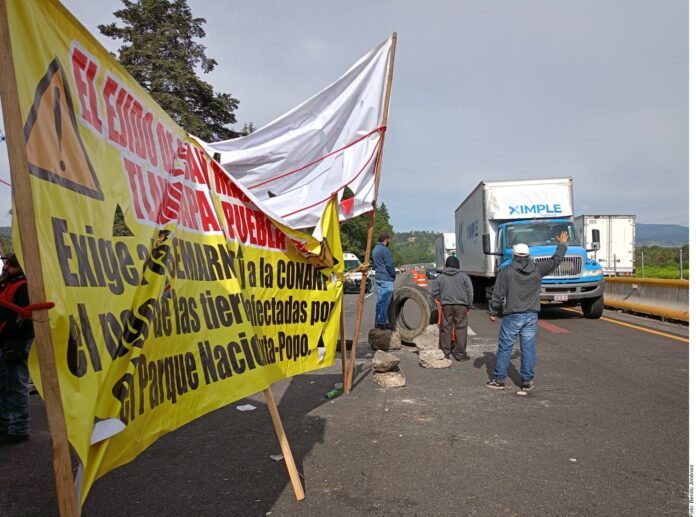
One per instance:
(660, 272)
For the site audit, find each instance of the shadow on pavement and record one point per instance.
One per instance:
(488, 360)
(557, 313)
(219, 464)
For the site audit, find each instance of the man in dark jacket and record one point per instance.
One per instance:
(16, 335)
(455, 293)
(385, 274)
(516, 296)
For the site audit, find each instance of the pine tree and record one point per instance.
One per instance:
(159, 51)
(354, 231)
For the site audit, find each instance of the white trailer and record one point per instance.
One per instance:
(618, 234)
(494, 203)
(445, 245)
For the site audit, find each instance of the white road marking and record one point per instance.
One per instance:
(470, 332)
(368, 295)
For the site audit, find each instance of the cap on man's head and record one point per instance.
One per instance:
(452, 262)
(11, 260)
(520, 250)
(383, 237)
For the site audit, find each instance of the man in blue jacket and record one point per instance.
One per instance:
(385, 274)
(516, 296)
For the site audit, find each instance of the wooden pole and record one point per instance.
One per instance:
(24, 209)
(348, 384)
(284, 446)
(343, 346)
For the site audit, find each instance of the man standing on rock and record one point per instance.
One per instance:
(516, 296)
(455, 293)
(385, 274)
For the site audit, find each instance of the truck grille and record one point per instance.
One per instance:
(570, 266)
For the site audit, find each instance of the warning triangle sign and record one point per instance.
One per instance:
(55, 150)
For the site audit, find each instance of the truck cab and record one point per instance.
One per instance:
(353, 275)
(577, 280)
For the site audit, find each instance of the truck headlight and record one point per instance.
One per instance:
(592, 269)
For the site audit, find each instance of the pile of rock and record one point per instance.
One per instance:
(384, 339)
(386, 371)
(429, 353)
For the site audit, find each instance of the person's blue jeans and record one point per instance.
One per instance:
(14, 393)
(384, 296)
(523, 324)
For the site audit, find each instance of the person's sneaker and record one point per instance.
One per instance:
(526, 387)
(495, 385)
(461, 358)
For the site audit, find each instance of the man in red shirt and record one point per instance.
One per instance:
(16, 336)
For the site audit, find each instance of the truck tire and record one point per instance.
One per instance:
(427, 310)
(592, 308)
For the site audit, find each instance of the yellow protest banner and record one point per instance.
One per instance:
(175, 292)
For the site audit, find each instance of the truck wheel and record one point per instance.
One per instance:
(425, 312)
(592, 308)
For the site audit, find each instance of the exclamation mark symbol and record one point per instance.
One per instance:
(57, 120)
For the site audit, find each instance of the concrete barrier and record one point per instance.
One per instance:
(666, 298)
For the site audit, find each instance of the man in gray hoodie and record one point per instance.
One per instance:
(455, 293)
(516, 296)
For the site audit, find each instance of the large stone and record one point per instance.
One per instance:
(395, 342)
(382, 340)
(433, 359)
(427, 341)
(431, 330)
(389, 379)
(384, 361)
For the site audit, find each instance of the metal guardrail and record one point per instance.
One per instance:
(657, 297)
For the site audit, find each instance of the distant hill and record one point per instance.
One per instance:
(415, 247)
(667, 235)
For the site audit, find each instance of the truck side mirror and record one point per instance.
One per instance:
(595, 240)
(486, 242)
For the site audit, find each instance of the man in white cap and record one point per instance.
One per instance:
(516, 296)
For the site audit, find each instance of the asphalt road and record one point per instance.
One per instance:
(604, 433)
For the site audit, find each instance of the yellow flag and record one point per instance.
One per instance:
(175, 292)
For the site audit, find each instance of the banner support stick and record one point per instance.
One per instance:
(348, 384)
(343, 345)
(284, 446)
(24, 209)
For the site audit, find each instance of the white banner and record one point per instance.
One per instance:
(296, 163)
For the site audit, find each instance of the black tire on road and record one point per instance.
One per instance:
(425, 303)
(592, 308)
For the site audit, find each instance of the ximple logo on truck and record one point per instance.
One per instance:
(535, 209)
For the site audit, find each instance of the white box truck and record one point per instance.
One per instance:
(445, 245)
(499, 214)
(618, 241)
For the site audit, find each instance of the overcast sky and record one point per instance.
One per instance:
(483, 90)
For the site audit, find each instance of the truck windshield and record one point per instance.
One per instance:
(350, 264)
(539, 234)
